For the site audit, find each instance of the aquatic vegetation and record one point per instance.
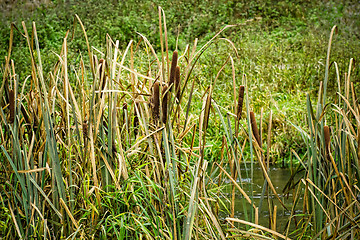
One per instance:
(118, 148)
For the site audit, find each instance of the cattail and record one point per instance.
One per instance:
(254, 128)
(177, 83)
(240, 102)
(155, 101)
(164, 104)
(102, 74)
(25, 114)
(327, 137)
(207, 111)
(136, 119)
(173, 69)
(85, 130)
(12, 106)
(94, 62)
(124, 112)
(124, 106)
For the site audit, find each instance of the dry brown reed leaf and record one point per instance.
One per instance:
(255, 129)
(240, 102)
(155, 101)
(164, 104)
(177, 83)
(173, 69)
(11, 106)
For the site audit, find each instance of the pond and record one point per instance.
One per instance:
(279, 177)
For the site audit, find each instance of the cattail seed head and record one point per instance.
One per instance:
(102, 74)
(164, 104)
(327, 136)
(85, 130)
(240, 102)
(255, 129)
(173, 68)
(124, 107)
(155, 101)
(177, 83)
(136, 119)
(11, 106)
(207, 112)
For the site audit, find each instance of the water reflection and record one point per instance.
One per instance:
(279, 177)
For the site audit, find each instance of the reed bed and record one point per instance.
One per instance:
(331, 166)
(110, 148)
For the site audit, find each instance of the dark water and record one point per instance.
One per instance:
(279, 177)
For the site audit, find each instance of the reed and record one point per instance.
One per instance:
(155, 101)
(331, 168)
(136, 118)
(11, 106)
(177, 83)
(240, 102)
(104, 168)
(164, 104)
(255, 129)
(174, 61)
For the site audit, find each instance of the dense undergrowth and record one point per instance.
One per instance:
(106, 138)
(281, 51)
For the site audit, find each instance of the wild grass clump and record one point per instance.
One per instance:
(330, 180)
(101, 149)
(106, 149)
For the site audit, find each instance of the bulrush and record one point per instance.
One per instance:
(173, 69)
(102, 75)
(12, 106)
(85, 131)
(164, 104)
(136, 119)
(155, 101)
(240, 102)
(327, 139)
(124, 107)
(255, 129)
(207, 111)
(177, 83)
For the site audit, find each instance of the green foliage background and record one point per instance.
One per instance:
(282, 52)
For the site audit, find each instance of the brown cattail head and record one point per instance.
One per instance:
(255, 129)
(11, 106)
(102, 74)
(94, 62)
(207, 111)
(240, 102)
(136, 119)
(155, 101)
(124, 111)
(124, 106)
(173, 69)
(327, 137)
(177, 83)
(164, 104)
(85, 130)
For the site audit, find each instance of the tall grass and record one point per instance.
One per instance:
(77, 165)
(331, 167)
(111, 148)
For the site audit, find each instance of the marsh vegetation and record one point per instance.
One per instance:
(109, 131)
